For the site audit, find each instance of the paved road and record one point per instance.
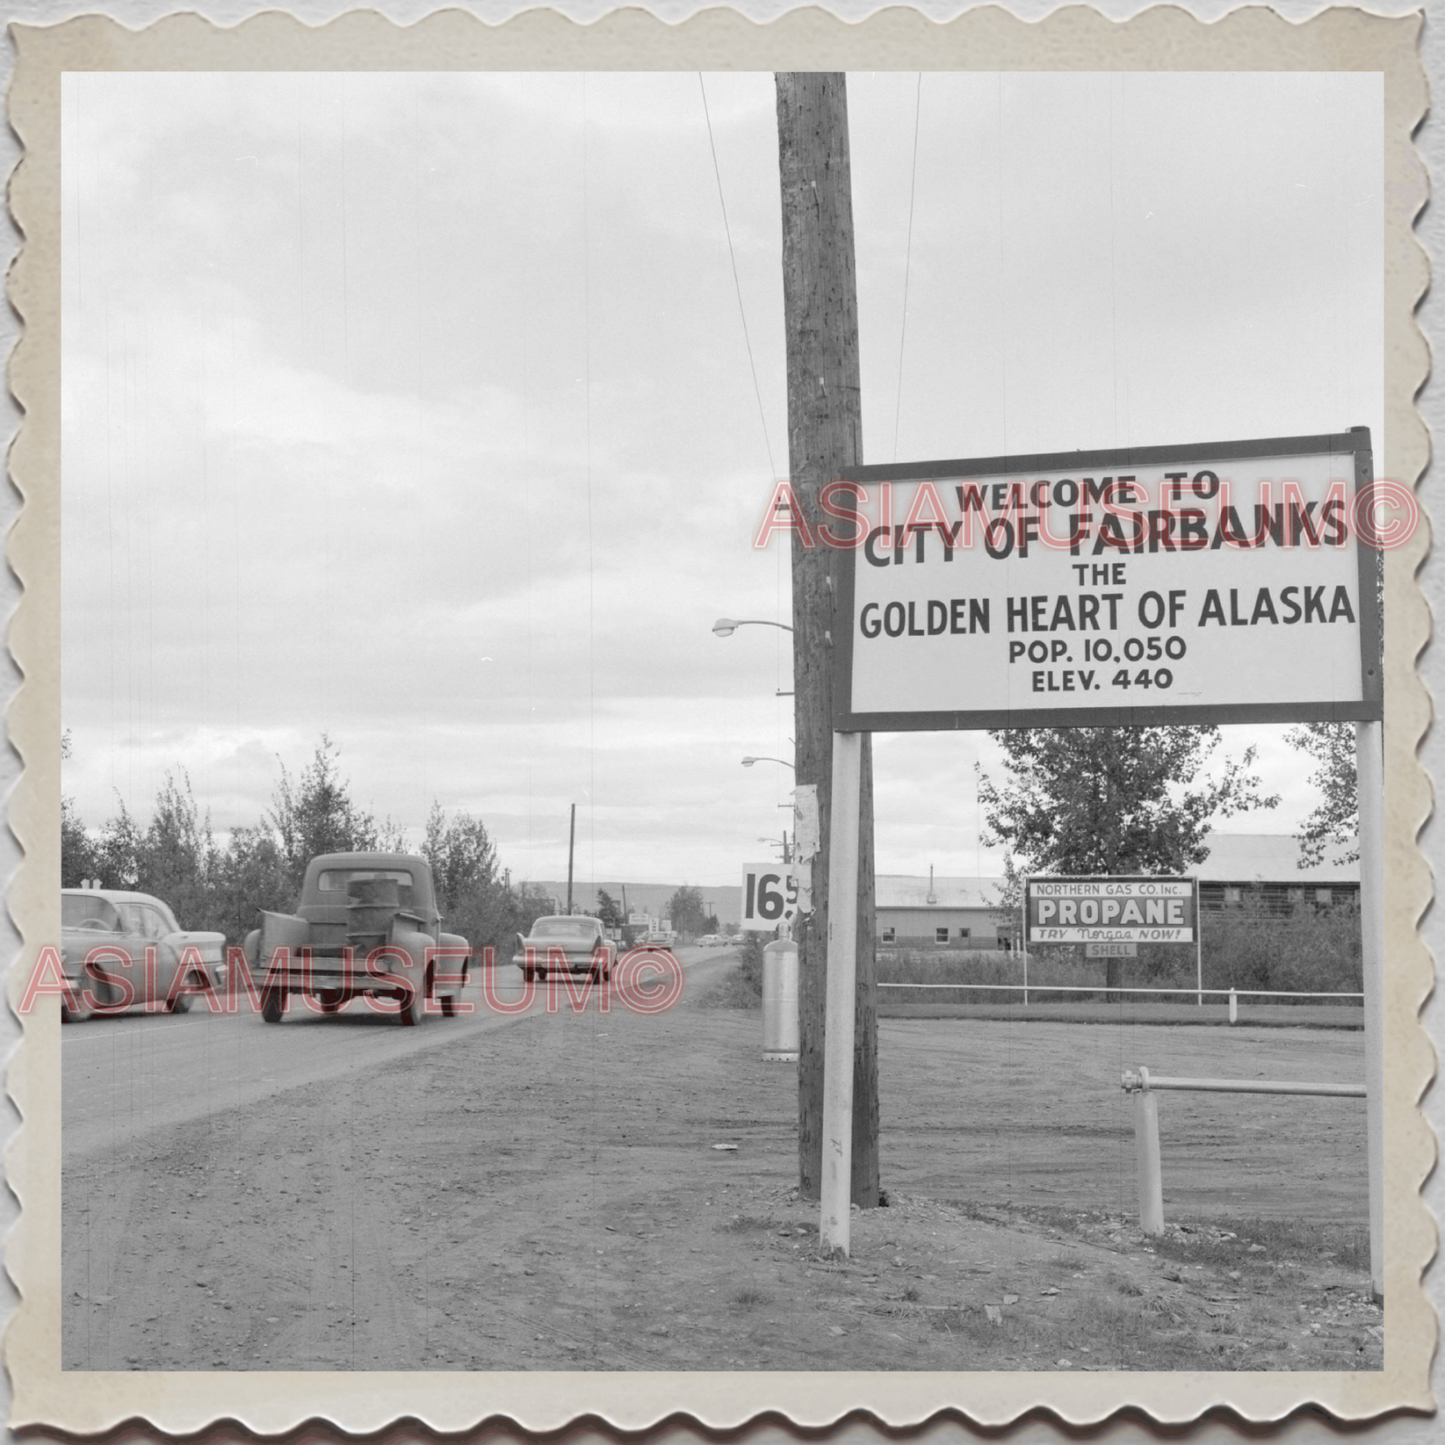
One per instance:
(123, 1076)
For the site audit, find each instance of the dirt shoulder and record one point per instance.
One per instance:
(548, 1196)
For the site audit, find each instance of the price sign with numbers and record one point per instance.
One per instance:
(770, 896)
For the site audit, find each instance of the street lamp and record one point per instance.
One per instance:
(748, 762)
(726, 626)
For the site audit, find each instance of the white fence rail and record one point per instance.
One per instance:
(1145, 1087)
(1232, 994)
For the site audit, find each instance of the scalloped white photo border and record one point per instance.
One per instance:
(1163, 38)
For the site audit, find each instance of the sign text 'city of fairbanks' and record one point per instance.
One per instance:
(1220, 589)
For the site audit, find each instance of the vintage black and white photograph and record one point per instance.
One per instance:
(722, 722)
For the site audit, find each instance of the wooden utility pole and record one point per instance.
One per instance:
(571, 849)
(820, 302)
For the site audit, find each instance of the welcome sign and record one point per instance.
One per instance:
(1223, 582)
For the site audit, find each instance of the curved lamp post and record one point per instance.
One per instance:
(726, 626)
(748, 762)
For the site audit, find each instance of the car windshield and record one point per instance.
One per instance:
(339, 880)
(80, 910)
(580, 929)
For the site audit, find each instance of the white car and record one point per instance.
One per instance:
(114, 929)
(571, 941)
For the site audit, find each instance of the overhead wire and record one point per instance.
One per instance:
(907, 263)
(737, 284)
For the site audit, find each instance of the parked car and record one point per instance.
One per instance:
(579, 940)
(351, 905)
(124, 925)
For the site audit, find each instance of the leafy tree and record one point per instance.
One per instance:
(315, 814)
(471, 894)
(117, 854)
(250, 875)
(1336, 818)
(609, 910)
(77, 852)
(528, 904)
(1112, 800)
(177, 858)
(687, 912)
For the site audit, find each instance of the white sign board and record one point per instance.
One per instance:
(1193, 584)
(772, 894)
(1110, 910)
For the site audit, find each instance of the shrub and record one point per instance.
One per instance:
(1248, 946)
(750, 963)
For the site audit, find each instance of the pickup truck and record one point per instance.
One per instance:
(351, 905)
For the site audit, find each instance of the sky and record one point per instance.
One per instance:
(436, 413)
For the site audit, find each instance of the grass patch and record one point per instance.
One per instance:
(742, 985)
(750, 1298)
(729, 991)
(1346, 1246)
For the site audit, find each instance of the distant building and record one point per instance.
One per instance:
(938, 912)
(1264, 868)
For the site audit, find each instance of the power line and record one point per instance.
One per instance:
(907, 261)
(732, 256)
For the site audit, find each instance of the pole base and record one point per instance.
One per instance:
(775, 1057)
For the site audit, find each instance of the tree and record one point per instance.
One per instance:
(529, 904)
(117, 854)
(78, 860)
(251, 875)
(177, 858)
(77, 852)
(315, 814)
(1112, 800)
(470, 893)
(609, 910)
(1336, 818)
(686, 910)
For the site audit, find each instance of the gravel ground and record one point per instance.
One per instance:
(549, 1196)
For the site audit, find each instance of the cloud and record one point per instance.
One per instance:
(413, 409)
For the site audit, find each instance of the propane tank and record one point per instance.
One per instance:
(780, 1001)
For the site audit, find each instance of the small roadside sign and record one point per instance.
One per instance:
(771, 895)
(1111, 950)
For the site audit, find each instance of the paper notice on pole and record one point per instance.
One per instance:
(804, 869)
(805, 820)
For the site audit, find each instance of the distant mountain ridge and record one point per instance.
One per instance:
(649, 898)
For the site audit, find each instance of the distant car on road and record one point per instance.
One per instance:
(580, 941)
(369, 924)
(124, 925)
